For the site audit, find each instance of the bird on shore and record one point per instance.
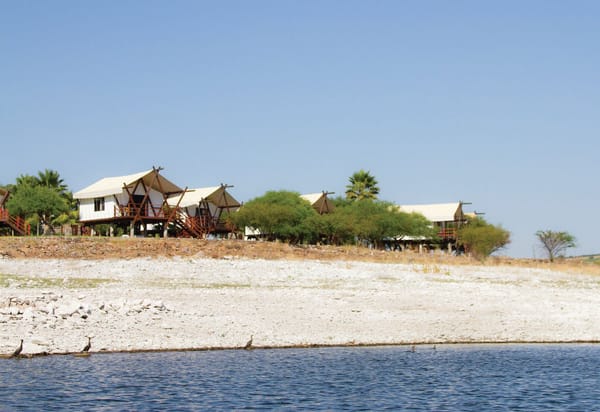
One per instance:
(17, 351)
(249, 343)
(88, 346)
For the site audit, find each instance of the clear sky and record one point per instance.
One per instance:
(494, 103)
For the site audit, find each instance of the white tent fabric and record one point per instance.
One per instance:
(114, 185)
(217, 195)
(319, 201)
(439, 212)
(312, 197)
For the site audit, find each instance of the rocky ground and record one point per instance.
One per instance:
(196, 294)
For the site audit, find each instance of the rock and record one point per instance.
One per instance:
(67, 310)
(12, 311)
(28, 314)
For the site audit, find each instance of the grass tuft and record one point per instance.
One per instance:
(38, 282)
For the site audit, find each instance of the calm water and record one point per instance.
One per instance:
(466, 378)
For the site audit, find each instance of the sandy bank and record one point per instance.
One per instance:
(173, 303)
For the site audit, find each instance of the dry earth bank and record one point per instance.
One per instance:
(155, 294)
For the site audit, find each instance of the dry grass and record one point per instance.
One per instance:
(129, 248)
(42, 282)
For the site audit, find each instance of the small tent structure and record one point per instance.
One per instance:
(199, 210)
(16, 224)
(445, 217)
(320, 202)
(134, 200)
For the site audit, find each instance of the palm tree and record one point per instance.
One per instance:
(362, 185)
(51, 178)
(25, 180)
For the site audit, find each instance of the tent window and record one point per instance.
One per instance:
(99, 204)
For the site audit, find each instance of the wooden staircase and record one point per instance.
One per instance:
(197, 227)
(16, 223)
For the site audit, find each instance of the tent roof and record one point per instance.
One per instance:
(312, 197)
(319, 201)
(438, 212)
(216, 195)
(114, 185)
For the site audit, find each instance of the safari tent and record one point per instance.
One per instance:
(320, 202)
(445, 217)
(200, 210)
(134, 201)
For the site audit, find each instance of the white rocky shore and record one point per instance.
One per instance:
(185, 303)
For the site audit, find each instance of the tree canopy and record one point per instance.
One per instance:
(277, 215)
(43, 198)
(51, 179)
(42, 202)
(362, 185)
(286, 216)
(555, 243)
(481, 238)
(374, 221)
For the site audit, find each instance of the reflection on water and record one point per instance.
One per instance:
(529, 377)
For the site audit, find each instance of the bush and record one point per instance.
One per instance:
(481, 238)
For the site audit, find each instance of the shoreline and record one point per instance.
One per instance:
(199, 303)
(417, 345)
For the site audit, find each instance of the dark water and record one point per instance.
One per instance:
(465, 378)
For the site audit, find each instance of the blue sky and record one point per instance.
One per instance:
(494, 103)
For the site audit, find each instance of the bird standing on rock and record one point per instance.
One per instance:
(17, 351)
(88, 346)
(249, 343)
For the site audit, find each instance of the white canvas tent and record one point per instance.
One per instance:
(139, 198)
(320, 202)
(445, 217)
(437, 212)
(200, 209)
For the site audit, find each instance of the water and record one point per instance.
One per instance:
(465, 378)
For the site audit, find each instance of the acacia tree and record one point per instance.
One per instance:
(481, 238)
(362, 186)
(278, 215)
(554, 242)
(370, 221)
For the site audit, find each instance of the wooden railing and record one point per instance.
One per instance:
(202, 223)
(447, 233)
(17, 223)
(148, 210)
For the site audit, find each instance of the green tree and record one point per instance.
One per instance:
(372, 221)
(52, 179)
(280, 215)
(482, 238)
(555, 243)
(31, 192)
(25, 180)
(42, 202)
(362, 186)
